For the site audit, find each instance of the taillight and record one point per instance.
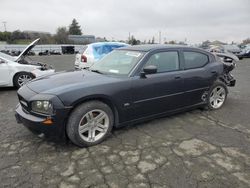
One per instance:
(84, 59)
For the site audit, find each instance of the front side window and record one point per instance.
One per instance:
(164, 61)
(195, 60)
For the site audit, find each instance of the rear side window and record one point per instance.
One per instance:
(195, 60)
(164, 61)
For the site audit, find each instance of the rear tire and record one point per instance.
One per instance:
(217, 95)
(22, 78)
(90, 123)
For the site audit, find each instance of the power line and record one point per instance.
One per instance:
(159, 37)
(4, 24)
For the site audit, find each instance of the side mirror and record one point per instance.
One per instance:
(150, 69)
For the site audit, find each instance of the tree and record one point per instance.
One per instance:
(246, 41)
(61, 36)
(172, 42)
(5, 36)
(133, 41)
(74, 28)
(153, 40)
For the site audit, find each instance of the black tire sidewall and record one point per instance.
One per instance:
(216, 84)
(76, 116)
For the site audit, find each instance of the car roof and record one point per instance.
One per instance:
(107, 43)
(151, 47)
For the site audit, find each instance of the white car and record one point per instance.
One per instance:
(94, 52)
(17, 71)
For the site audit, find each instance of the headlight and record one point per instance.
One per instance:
(44, 107)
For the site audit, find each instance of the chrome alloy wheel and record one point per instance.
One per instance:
(93, 125)
(23, 79)
(217, 97)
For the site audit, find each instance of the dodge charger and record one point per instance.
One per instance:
(131, 84)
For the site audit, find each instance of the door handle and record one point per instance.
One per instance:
(177, 77)
(214, 72)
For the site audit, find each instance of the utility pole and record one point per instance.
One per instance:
(128, 36)
(159, 37)
(4, 24)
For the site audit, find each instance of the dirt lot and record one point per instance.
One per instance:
(193, 149)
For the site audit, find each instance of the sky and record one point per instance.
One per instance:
(192, 21)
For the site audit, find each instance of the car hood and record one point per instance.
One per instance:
(234, 50)
(27, 49)
(63, 82)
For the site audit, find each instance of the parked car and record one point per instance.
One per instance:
(55, 52)
(128, 85)
(46, 52)
(233, 49)
(17, 71)
(68, 49)
(51, 52)
(246, 51)
(220, 52)
(94, 52)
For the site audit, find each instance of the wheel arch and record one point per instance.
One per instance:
(102, 98)
(19, 72)
(220, 80)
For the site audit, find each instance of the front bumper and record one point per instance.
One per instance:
(56, 130)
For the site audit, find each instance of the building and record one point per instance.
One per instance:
(82, 39)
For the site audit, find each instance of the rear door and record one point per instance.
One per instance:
(198, 75)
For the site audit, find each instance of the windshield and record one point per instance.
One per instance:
(6, 56)
(119, 62)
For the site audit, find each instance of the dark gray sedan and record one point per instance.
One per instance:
(129, 85)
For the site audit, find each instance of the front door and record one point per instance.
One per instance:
(159, 92)
(4, 73)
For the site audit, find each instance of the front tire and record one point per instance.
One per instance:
(217, 95)
(22, 78)
(90, 123)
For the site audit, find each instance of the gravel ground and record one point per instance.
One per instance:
(192, 149)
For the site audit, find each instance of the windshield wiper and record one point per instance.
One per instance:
(97, 71)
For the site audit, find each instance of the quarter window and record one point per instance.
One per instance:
(164, 61)
(195, 60)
